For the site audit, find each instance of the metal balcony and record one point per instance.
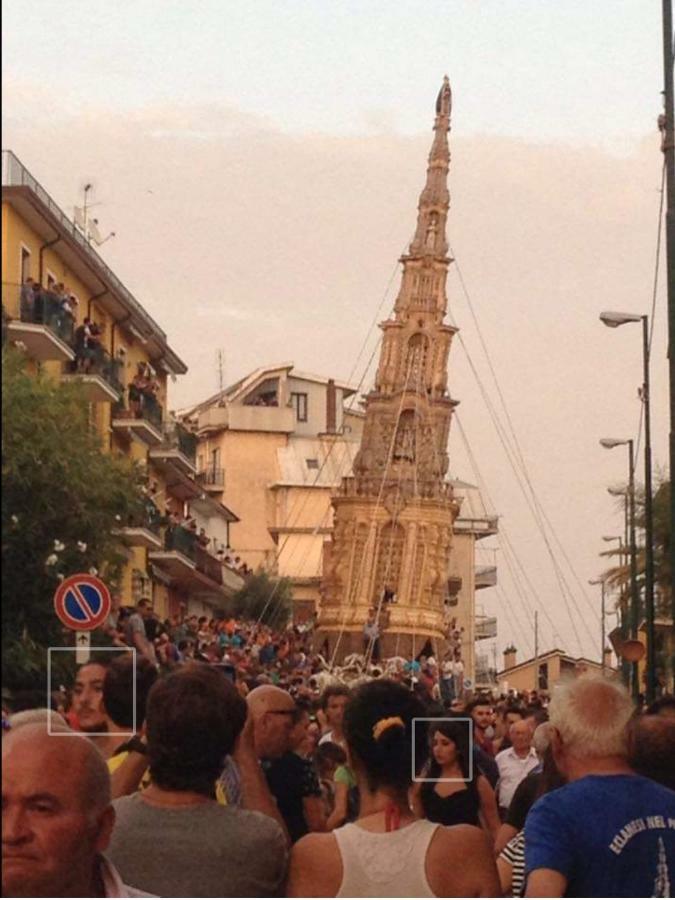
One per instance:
(144, 423)
(99, 375)
(38, 322)
(212, 480)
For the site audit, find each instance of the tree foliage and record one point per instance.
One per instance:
(618, 576)
(63, 498)
(265, 598)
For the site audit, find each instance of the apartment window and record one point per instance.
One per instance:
(299, 403)
(25, 263)
(312, 463)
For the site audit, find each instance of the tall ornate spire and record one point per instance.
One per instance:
(392, 531)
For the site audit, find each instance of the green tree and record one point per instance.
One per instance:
(265, 598)
(618, 576)
(63, 498)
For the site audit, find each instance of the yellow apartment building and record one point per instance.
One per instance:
(54, 280)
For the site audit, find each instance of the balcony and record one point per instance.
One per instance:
(192, 567)
(212, 480)
(98, 374)
(42, 326)
(144, 531)
(486, 576)
(143, 423)
(177, 451)
(247, 418)
(486, 627)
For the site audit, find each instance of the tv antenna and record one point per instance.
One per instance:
(89, 227)
(220, 362)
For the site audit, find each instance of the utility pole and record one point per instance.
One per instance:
(536, 650)
(668, 147)
(649, 521)
(635, 598)
(602, 626)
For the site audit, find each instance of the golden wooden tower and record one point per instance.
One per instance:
(393, 518)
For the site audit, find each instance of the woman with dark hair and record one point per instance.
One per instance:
(388, 851)
(453, 790)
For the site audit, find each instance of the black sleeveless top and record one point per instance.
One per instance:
(460, 808)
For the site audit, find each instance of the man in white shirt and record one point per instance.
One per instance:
(515, 763)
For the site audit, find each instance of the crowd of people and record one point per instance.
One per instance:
(224, 759)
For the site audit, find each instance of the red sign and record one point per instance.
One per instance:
(82, 602)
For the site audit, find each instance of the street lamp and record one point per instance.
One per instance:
(610, 444)
(614, 320)
(601, 582)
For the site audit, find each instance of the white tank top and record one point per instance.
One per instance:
(385, 864)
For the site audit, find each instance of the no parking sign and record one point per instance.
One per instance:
(82, 602)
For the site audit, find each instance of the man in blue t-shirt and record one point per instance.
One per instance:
(609, 832)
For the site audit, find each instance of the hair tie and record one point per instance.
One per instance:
(384, 724)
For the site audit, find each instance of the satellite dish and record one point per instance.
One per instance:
(79, 218)
(93, 232)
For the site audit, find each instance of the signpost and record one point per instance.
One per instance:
(82, 603)
(82, 647)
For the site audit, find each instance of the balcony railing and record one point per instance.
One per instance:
(212, 477)
(187, 443)
(148, 409)
(39, 308)
(183, 541)
(97, 361)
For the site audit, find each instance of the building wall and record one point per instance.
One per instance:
(463, 565)
(316, 406)
(524, 678)
(250, 463)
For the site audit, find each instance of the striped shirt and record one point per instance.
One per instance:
(514, 854)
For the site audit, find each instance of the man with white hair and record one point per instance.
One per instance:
(609, 832)
(56, 817)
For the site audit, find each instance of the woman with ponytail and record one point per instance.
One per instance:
(388, 851)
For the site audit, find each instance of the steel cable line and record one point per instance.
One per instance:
(508, 551)
(564, 589)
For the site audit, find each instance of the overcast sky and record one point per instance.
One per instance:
(261, 163)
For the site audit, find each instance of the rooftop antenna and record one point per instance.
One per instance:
(220, 361)
(89, 227)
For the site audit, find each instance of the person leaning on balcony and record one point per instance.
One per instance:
(83, 345)
(27, 300)
(135, 387)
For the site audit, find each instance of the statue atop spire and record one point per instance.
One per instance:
(434, 200)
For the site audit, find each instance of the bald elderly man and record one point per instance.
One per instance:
(56, 817)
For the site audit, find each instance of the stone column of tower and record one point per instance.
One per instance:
(393, 518)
